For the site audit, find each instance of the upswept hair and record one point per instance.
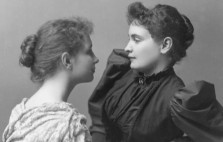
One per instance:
(164, 21)
(41, 52)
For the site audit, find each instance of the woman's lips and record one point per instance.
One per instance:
(131, 58)
(93, 70)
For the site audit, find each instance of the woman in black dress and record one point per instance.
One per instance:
(140, 98)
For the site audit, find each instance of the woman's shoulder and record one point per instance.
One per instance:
(170, 85)
(196, 111)
(64, 114)
(195, 95)
(62, 109)
(60, 120)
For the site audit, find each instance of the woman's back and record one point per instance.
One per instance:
(48, 122)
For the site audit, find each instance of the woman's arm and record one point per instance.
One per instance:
(117, 66)
(196, 112)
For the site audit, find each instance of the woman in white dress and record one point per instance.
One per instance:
(59, 56)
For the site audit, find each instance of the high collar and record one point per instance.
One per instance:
(142, 79)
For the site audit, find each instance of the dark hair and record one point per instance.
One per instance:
(164, 21)
(41, 52)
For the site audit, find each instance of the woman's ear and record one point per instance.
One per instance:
(166, 45)
(66, 60)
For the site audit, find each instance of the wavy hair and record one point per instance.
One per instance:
(164, 21)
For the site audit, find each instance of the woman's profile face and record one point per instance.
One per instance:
(144, 52)
(84, 62)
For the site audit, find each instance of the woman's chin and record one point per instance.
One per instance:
(137, 68)
(133, 66)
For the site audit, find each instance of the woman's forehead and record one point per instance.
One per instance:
(87, 42)
(136, 29)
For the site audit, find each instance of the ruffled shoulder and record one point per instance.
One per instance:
(196, 111)
(79, 129)
(48, 122)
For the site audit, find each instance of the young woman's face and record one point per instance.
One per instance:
(84, 62)
(144, 52)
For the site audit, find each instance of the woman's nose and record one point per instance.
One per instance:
(128, 48)
(96, 60)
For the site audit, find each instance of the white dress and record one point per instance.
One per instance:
(50, 122)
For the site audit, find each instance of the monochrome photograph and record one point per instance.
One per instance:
(111, 71)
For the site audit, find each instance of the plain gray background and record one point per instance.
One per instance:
(20, 18)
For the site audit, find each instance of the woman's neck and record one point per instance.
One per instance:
(159, 67)
(54, 89)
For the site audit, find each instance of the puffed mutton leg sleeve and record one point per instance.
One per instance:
(196, 111)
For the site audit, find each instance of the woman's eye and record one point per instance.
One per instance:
(136, 40)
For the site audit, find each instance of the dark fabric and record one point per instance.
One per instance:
(116, 67)
(129, 107)
(196, 111)
(98, 137)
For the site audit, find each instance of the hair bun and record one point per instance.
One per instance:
(189, 32)
(28, 47)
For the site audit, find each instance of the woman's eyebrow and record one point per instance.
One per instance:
(135, 36)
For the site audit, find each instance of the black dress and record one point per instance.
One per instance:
(129, 107)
